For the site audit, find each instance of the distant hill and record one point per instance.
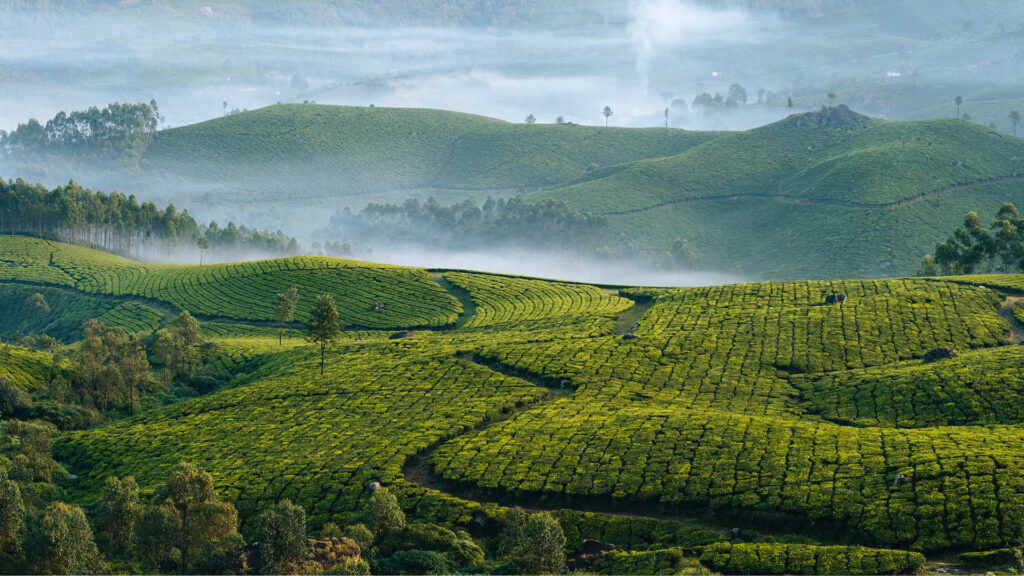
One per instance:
(824, 194)
(330, 151)
(819, 194)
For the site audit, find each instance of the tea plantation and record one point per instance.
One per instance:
(747, 428)
(242, 291)
(26, 369)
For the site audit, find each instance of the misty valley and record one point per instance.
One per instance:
(511, 287)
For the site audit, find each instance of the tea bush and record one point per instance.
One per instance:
(804, 559)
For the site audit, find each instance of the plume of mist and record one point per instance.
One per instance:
(659, 25)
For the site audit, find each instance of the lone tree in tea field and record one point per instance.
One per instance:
(383, 513)
(282, 537)
(542, 550)
(323, 327)
(204, 244)
(284, 310)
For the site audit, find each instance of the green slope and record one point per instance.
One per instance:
(755, 401)
(791, 200)
(308, 150)
(869, 163)
(240, 291)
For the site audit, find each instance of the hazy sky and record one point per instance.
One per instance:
(637, 57)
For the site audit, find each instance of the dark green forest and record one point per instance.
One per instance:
(122, 225)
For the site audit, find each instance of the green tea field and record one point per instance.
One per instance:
(748, 428)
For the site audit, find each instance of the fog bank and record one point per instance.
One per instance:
(616, 272)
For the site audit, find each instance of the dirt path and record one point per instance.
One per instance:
(1016, 328)
(417, 470)
(819, 201)
(468, 306)
(627, 322)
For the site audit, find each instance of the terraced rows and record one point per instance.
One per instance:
(505, 301)
(27, 369)
(982, 387)
(752, 399)
(787, 324)
(68, 310)
(242, 291)
(132, 317)
(311, 439)
(770, 558)
(733, 347)
(639, 427)
(684, 459)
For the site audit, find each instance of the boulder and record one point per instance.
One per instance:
(400, 335)
(630, 336)
(939, 354)
(372, 487)
(589, 551)
(835, 298)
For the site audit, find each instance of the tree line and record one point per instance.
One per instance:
(543, 224)
(119, 133)
(121, 224)
(973, 249)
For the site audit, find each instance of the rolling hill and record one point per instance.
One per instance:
(820, 195)
(752, 404)
(308, 151)
(815, 195)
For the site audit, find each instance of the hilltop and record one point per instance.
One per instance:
(751, 405)
(309, 151)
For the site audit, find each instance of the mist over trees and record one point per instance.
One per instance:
(119, 133)
(516, 222)
(120, 224)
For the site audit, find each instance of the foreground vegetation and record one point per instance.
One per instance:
(745, 428)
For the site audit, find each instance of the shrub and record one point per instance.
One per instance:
(414, 562)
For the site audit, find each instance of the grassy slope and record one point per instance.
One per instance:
(784, 201)
(843, 165)
(242, 291)
(27, 369)
(318, 151)
(68, 311)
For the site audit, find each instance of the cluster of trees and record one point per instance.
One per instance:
(114, 373)
(185, 526)
(737, 97)
(526, 544)
(972, 248)
(121, 224)
(118, 133)
(514, 222)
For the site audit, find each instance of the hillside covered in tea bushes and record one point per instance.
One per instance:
(743, 428)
